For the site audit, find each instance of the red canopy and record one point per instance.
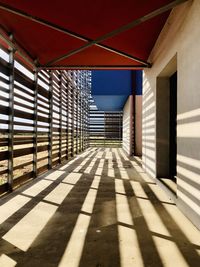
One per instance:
(50, 30)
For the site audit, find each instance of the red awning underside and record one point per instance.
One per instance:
(90, 19)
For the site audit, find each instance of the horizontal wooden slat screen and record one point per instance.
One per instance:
(105, 128)
(43, 118)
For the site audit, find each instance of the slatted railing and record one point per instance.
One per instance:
(43, 119)
(105, 127)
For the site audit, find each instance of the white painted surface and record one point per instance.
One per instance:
(138, 125)
(127, 126)
(181, 37)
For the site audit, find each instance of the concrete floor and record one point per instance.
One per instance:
(98, 210)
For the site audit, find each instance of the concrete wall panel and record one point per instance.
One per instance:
(138, 125)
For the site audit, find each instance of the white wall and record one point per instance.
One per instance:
(138, 126)
(127, 126)
(179, 39)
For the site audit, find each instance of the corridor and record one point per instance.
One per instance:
(98, 210)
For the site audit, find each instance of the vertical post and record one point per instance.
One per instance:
(11, 121)
(131, 126)
(104, 129)
(72, 121)
(77, 122)
(87, 120)
(60, 130)
(81, 121)
(68, 109)
(35, 123)
(50, 120)
(88, 82)
(82, 113)
(119, 128)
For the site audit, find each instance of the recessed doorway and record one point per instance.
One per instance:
(166, 117)
(172, 127)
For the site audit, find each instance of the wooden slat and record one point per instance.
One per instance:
(21, 166)
(4, 188)
(4, 67)
(22, 179)
(3, 155)
(62, 109)
(24, 80)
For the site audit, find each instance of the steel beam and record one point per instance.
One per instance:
(105, 47)
(92, 67)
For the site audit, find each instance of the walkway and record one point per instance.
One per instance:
(98, 210)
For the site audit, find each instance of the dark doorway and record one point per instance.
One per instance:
(173, 123)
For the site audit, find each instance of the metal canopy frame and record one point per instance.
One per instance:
(92, 67)
(67, 32)
(95, 42)
(12, 44)
(117, 31)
